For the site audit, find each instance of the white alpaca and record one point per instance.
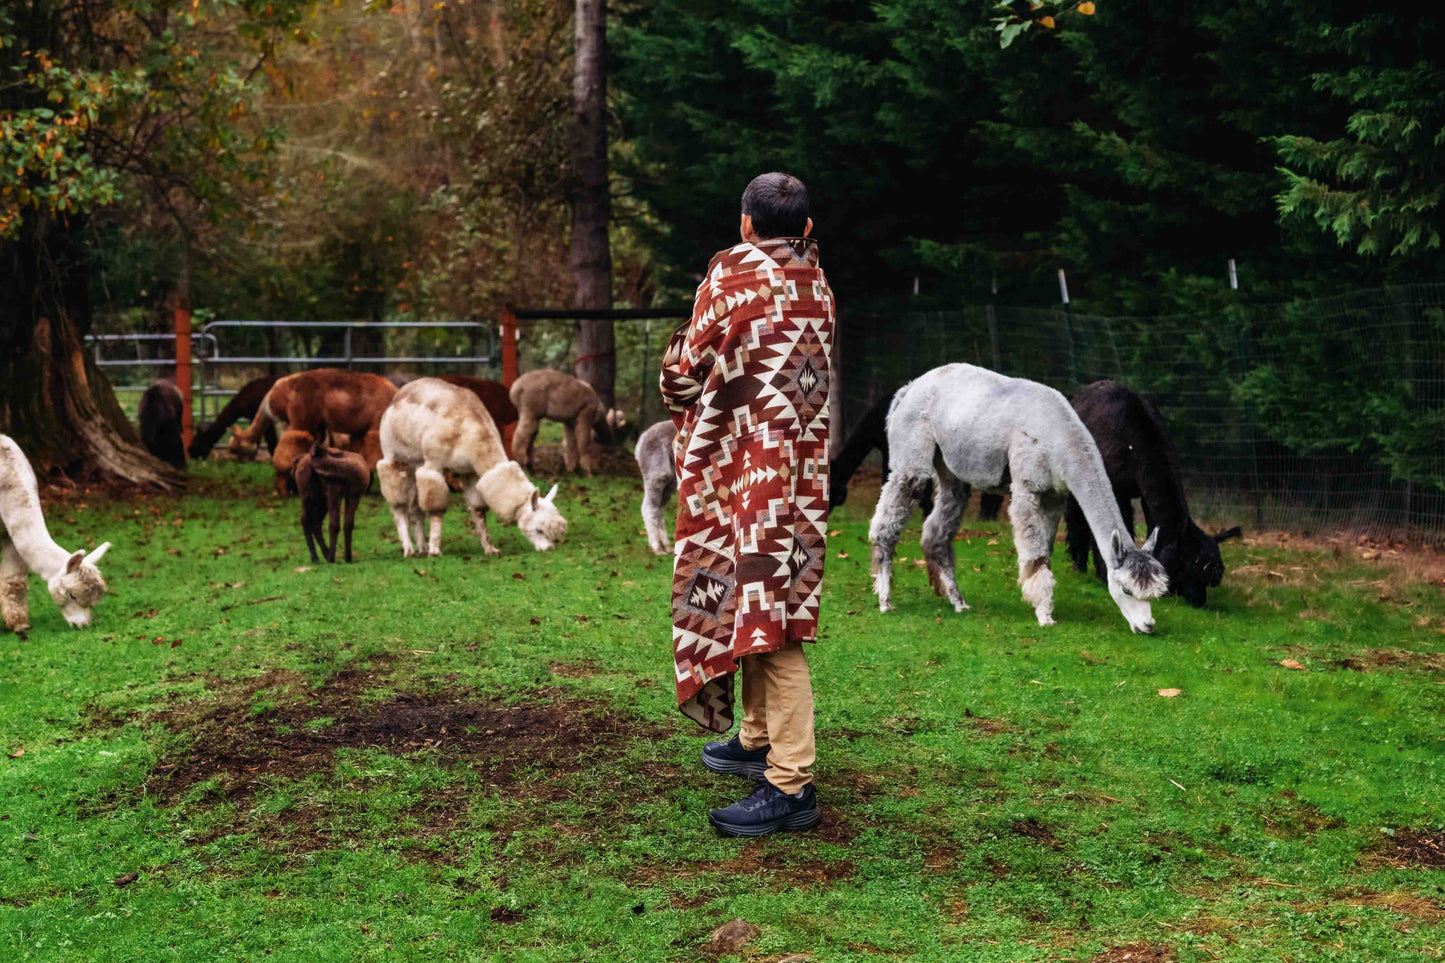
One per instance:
(961, 426)
(431, 427)
(26, 546)
(659, 481)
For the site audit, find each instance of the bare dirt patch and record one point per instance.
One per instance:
(1412, 847)
(1371, 660)
(1033, 829)
(584, 669)
(1405, 904)
(273, 727)
(1137, 953)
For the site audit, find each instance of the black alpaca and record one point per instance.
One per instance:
(244, 404)
(871, 433)
(1141, 462)
(161, 408)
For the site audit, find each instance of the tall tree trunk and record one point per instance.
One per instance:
(54, 401)
(591, 256)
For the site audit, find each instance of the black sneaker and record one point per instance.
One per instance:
(730, 757)
(768, 810)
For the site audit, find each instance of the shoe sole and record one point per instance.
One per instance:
(748, 770)
(797, 821)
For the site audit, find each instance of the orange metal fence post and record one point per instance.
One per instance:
(183, 364)
(509, 362)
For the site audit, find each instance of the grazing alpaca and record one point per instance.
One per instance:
(966, 425)
(289, 449)
(244, 404)
(161, 408)
(432, 427)
(494, 395)
(347, 402)
(659, 481)
(327, 477)
(1141, 462)
(555, 396)
(870, 434)
(26, 546)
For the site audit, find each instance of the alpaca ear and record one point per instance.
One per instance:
(1116, 545)
(99, 553)
(551, 496)
(1150, 542)
(73, 563)
(534, 499)
(1226, 536)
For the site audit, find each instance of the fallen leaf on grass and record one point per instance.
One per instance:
(1170, 693)
(302, 568)
(1292, 664)
(17, 753)
(836, 531)
(127, 879)
(842, 554)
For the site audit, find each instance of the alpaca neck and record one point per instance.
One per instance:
(1163, 491)
(32, 539)
(1083, 471)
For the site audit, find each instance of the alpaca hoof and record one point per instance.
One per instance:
(960, 606)
(884, 606)
(433, 553)
(1046, 620)
(491, 550)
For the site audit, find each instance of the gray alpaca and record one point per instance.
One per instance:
(960, 425)
(659, 481)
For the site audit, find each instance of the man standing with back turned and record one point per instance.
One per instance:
(746, 381)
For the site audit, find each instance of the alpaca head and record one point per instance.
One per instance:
(243, 444)
(79, 586)
(540, 521)
(1135, 577)
(1193, 563)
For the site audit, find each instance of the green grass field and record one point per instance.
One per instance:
(472, 758)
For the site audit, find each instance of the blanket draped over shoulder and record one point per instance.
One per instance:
(746, 381)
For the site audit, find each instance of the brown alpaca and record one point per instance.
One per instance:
(327, 478)
(555, 396)
(494, 395)
(346, 402)
(290, 447)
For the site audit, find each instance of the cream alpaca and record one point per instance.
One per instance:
(26, 546)
(431, 427)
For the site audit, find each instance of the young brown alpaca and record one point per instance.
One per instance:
(555, 396)
(289, 449)
(327, 478)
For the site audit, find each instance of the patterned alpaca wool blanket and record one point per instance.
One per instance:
(746, 381)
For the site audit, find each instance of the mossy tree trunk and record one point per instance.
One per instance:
(54, 401)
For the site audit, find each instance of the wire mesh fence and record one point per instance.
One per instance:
(1310, 416)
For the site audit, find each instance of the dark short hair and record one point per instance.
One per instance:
(778, 205)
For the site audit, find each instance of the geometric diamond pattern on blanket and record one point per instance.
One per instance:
(746, 382)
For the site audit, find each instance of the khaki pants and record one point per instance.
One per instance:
(778, 711)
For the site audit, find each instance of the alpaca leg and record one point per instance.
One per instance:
(654, 497)
(398, 487)
(477, 509)
(569, 445)
(895, 505)
(333, 514)
(582, 439)
(1036, 520)
(14, 606)
(308, 529)
(352, 501)
(431, 498)
(938, 530)
(522, 437)
(1077, 535)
